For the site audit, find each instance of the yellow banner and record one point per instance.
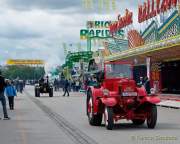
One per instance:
(24, 62)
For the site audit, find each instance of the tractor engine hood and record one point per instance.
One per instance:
(127, 85)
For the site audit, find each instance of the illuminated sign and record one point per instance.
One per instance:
(122, 22)
(99, 29)
(98, 24)
(151, 9)
(95, 29)
(24, 62)
(84, 33)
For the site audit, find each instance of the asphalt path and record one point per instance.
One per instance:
(63, 120)
(72, 109)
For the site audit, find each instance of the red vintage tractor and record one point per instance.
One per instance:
(117, 96)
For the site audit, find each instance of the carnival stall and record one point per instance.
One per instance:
(155, 51)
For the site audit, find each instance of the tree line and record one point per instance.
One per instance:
(23, 72)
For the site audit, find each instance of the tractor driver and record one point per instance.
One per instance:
(41, 81)
(47, 80)
(100, 76)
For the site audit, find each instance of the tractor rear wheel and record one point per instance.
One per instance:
(37, 93)
(51, 93)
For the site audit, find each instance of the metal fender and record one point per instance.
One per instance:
(109, 101)
(152, 99)
(96, 92)
(141, 91)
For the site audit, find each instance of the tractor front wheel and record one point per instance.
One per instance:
(94, 120)
(108, 118)
(152, 116)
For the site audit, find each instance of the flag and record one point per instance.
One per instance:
(65, 48)
(84, 3)
(89, 4)
(79, 47)
(100, 5)
(107, 5)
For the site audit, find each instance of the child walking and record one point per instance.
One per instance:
(10, 93)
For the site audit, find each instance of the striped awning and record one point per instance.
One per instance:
(168, 49)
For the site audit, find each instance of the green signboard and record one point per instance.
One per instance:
(77, 56)
(98, 29)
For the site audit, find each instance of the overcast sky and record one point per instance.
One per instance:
(36, 29)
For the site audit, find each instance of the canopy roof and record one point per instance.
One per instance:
(77, 56)
(166, 50)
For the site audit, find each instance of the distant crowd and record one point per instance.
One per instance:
(73, 85)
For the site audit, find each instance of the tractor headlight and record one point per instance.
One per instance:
(36, 85)
(105, 92)
(129, 94)
(153, 91)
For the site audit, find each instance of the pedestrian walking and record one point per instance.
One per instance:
(16, 83)
(2, 97)
(77, 85)
(10, 93)
(55, 85)
(66, 86)
(147, 85)
(21, 86)
(73, 85)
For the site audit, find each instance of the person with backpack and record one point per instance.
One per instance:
(10, 93)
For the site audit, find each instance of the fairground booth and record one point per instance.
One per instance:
(75, 63)
(155, 51)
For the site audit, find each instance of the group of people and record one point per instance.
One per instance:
(67, 85)
(6, 88)
(58, 84)
(76, 84)
(19, 85)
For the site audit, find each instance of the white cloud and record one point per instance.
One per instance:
(37, 28)
(42, 4)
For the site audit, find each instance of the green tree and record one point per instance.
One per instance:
(23, 72)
